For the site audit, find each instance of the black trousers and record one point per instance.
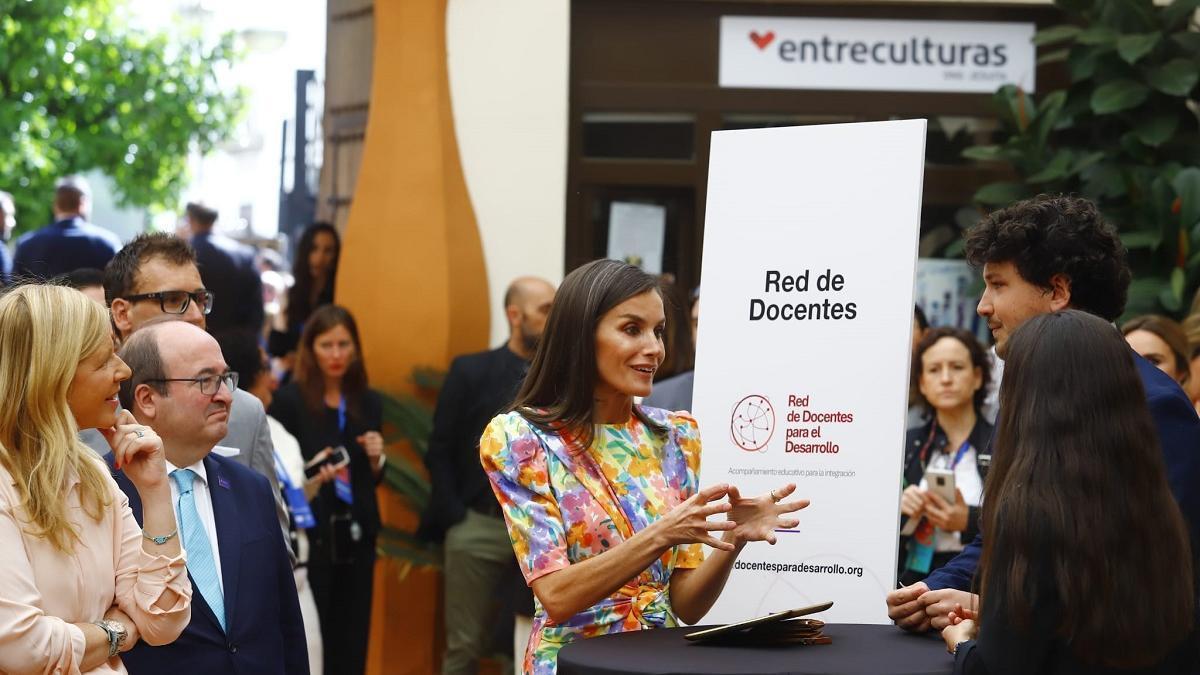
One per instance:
(342, 591)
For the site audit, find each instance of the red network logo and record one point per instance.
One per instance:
(753, 423)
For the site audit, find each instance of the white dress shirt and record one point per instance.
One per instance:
(203, 499)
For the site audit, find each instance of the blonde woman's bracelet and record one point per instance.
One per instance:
(163, 539)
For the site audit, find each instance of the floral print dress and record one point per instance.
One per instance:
(563, 506)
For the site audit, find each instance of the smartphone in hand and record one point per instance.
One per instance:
(335, 457)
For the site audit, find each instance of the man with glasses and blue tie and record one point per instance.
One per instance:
(155, 275)
(246, 614)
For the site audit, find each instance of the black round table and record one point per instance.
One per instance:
(856, 650)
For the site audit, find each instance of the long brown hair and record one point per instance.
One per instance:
(1077, 497)
(308, 374)
(559, 390)
(300, 295)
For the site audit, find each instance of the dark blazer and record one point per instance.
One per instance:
(64, 246)
(227, 269)
(476, 389)
(265, 633)
(1178, 433)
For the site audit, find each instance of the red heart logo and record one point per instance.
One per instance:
(762, 40)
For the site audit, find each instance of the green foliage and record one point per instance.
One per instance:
(79, 90)
(1124, 133)
(408, 419)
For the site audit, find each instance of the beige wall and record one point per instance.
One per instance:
(508, 64)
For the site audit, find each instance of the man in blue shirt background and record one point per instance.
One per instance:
(70, 242)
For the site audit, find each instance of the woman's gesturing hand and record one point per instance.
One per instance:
(688, 523)
(138, 451)
(757, 518)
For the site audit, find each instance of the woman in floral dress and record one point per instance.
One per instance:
(580, 470)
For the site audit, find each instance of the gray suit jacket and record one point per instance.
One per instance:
(249, 433)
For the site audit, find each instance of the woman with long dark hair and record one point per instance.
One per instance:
(580, 470)
(314, 275)
(950, 372)
(329, 407)
(1086, 567)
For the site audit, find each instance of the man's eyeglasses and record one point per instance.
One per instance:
(176, 302)
(209, 384)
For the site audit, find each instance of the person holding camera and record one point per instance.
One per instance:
(945, 459)
(336, 417)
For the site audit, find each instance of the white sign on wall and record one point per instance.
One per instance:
(810, 247)
(875, 54)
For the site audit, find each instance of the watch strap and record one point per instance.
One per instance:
(115, 633)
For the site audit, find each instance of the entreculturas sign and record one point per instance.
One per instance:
(875, 54)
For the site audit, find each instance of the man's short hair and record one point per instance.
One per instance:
(84, 277)
(1057, 234)
(69, 193)
(120, 275)
(200, 213)
(242, 355)
(141, 353)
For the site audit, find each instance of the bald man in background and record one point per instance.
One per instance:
(479, 564)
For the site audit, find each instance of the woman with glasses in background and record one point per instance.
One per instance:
(330, 409)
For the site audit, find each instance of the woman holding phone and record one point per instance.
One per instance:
(1086, 567)
(580, 470)
(950, 370)
(336, 418)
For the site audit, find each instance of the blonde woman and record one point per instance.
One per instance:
(81, 580)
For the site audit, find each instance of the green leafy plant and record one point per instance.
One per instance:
(408, 420)
(1124, 133)
(80, 90)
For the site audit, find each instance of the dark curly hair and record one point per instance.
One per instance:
(1057, 234)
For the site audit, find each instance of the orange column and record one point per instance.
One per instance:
(412, 272)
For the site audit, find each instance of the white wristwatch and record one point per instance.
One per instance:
(116, 634)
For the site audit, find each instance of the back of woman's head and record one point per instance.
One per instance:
(45, 331)
(308, 372)
(560, 386)
(1077, 498)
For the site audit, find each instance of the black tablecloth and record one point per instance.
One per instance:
(856, 650)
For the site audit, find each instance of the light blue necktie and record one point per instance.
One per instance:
(195, 541)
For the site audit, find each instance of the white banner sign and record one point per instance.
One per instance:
(810, 246)
(875, 54)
